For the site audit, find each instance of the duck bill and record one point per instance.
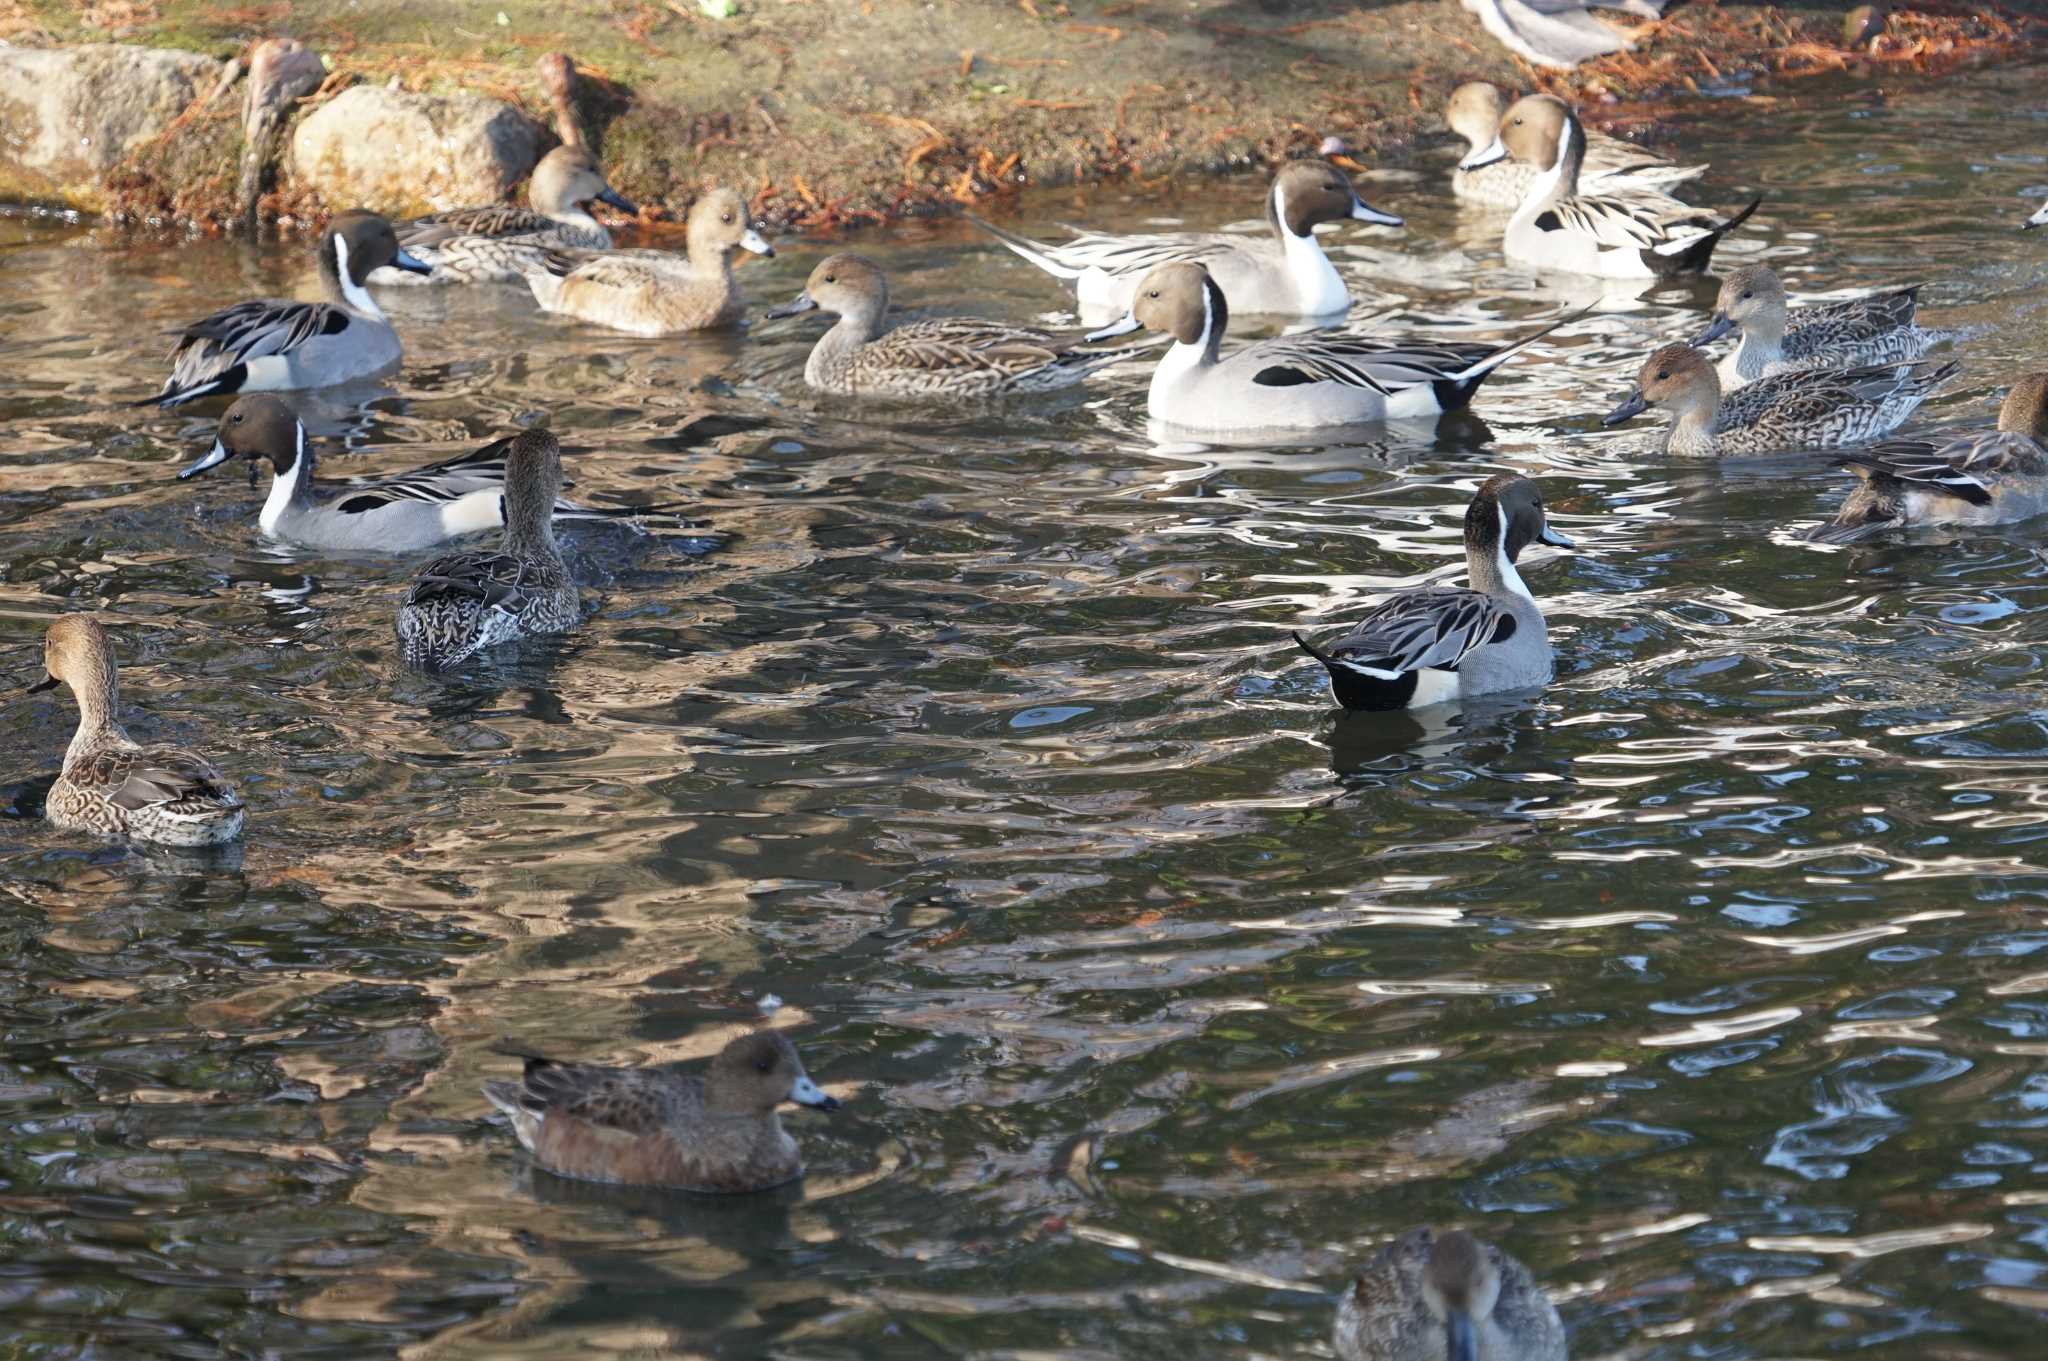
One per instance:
(1720, 326)
(2039, 219)
(1631, 407)
(1553, 538)
(801, 303)
(1486, 155)
(757, 243)
(48, 682)
(809, 1093)
(1459, 1342)
(412, 264)
(1361, 211)
(619, 201)
(212, 458)
(1124, 327)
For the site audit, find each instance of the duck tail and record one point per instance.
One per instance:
(228, 380)
(1455, 390)
(660, 515)
(1692, 256)
(1031, 250)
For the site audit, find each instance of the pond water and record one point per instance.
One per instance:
(1712, 982)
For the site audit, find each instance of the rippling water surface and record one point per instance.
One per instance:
(1713, 982)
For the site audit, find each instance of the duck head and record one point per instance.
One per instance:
(569, 176)
(1751, 299)
(256, 427)
(845, 285)
(1306, 193)
(720, 223)
(1179, 300)
(1677, 378)
(1459, 1288)
(758, 1072)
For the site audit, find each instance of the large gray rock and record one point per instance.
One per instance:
(405, 154)
(68, 115)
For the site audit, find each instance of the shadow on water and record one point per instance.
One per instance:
(1708, 981)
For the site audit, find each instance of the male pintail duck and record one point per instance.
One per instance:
(2039, 219)
(462, 603)
(659, 1127)
(1431, 1296)
(657, 292)
(1875, 330)
(395, 514)
(113, 786)
(1802, 409)
(501, 242)
(1610, 234)
(1437, 644)
(1286, 273)
(271, 345)
(1312, 381)
(1987, 477)
(863, 355)
(1474, 112)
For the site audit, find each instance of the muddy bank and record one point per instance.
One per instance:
(827, 114)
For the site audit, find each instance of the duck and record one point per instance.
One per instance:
(113, 785)
(399, 513)
(499, 243)
(1286, 274)
(1474, 112)
(1436, 644)
(1612, 233)
(657, 292)
(1986, 477)
(1297, 382)
(462, 603)
(864, 356)
(1443, 1295)
(1875, 330)
(273, 345)
(1802, 409)
(660, 1127)
(2039, 219)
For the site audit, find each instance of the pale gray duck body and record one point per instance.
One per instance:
(1438, 644)
(274, 345)
(462, 603)
(1800, 409)
(1285, 273)
(1431, 1296)
(1984, 478)
(1777, 338)
(112, 785)
(499, 243)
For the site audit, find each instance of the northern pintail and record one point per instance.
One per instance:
(1987, 477)
(462, 603)
(501, 242)
(1299, 382)
(394, 514)
(1437, 644)
(1474, 112)
(113, 785)
(271, 345)
(1609, 234)
(1875, 330)
(2039, 219)
(660, 1127)
(1431, 1296)
(1286, 273)
(1802, 409)
(657, 292)
(863, 355)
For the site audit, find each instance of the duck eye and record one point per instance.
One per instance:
(766, 1063)
(831, 278)
(1747, 294)
(727, 217)
(1662, 374)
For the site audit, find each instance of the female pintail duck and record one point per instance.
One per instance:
(1474, 112)
(500, 242)
(657, 292)
(463, 603)
(395, 514)
(1431, 1296)
(1286, 273)
(1610, 234)
(271, 345)
(659, 1127)
(1987, 477)
(1299, 382)
(112, 785)
(1802, 409)
(1437, 644)
(1875, 330)
(863, 355)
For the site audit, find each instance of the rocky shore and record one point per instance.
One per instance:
(824, 113)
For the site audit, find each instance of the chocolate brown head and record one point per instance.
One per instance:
(1306, 193)
(2025, 411)
(1677, 378)
(359, 241)
(758, 1072)
(257, 426)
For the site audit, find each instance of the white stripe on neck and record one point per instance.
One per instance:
(1182, 359)
(1318, 290)
(1509, 577)
(357, 296)
(284, 484)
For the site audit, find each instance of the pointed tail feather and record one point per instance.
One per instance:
(1033, 251)
(1694, 254)
(226, 381)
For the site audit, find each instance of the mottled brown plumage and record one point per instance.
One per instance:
(657, 292)
(1431, 1296)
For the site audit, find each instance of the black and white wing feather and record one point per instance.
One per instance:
(1429, 629)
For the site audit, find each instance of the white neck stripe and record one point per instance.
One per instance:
(1510, 578)
(357, 296)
